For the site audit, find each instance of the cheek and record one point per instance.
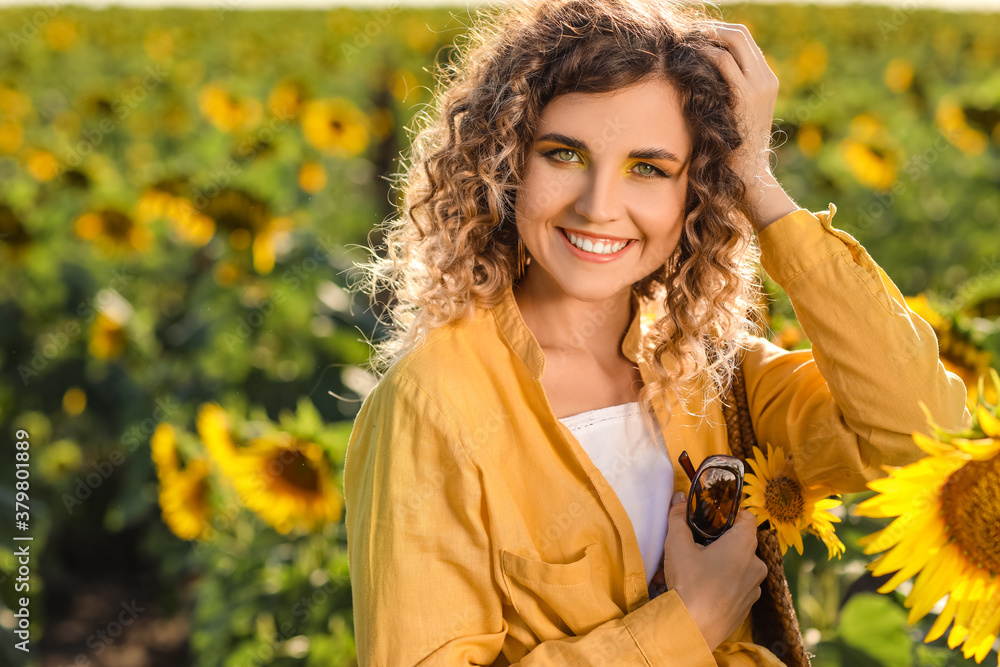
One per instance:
(663, 212)
(544, 191)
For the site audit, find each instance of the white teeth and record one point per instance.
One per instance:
(599, 248)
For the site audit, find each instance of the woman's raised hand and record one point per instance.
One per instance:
(756, 90)
(718, 583)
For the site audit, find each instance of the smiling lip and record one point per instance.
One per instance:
(596, 237)
(593, 257)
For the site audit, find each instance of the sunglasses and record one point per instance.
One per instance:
(716, 492)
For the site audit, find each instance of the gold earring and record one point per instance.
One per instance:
(521, 261)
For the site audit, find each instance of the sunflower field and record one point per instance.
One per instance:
(183, 196)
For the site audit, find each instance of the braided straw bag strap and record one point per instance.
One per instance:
(775, 625)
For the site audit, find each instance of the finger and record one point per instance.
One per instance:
(743, 533)
(731, 70)
(745, 516)
(677, 528)
(756, 68)
(725, 47)
(678, 508)
(749, 40)
(738, 37)
(760, 570)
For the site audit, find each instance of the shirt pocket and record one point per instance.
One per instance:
(557, 600)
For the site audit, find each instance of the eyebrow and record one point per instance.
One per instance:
(639, 154)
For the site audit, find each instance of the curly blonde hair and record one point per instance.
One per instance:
(453, 248)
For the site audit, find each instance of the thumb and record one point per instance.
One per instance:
(677, 504)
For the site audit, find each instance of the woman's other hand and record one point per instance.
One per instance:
(719, 582)
(756, 89)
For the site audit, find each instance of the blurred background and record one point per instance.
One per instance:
(183, 193)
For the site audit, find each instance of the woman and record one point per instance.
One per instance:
(584, 219)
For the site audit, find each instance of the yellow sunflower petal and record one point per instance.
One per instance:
(982, 449)
(984, 626)
(930, 445)
(943, 620)
(912, 553)
(988, 422)
(828, 504)
(834, 546)
(932, 584)
(164, 449)
(966, 592)
(888, 536)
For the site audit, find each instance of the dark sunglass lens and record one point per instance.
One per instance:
(713, 499)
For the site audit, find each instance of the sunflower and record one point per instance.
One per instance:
(183, 493)
(166, 200)
(811, 63)
(61, 34)
(809, 139)
(227, 112)
(74, 401)
(312, 177)
(11, 135)
(42, 165)
(870, 166)
(335, 126)
(774, 494)
(107, 337)
(264, 245)
(285, 480)
(249, 225)
(13, 104)
(14, 238)
(234, 209)
(946, 531)
(289, 483)
(950, 117)
(286, 99)
(899, 75)
(111, 230)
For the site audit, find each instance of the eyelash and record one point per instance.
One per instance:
(552, 156)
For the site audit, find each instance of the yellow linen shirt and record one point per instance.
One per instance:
(480, 533)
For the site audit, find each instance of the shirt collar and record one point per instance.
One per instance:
(520, 339)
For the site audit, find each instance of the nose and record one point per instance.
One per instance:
(601, 200)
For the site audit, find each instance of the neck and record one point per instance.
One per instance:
(561, 322)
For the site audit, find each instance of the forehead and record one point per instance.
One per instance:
(644, 115)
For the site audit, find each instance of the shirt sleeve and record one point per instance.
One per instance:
(420, 556)
(849, 405)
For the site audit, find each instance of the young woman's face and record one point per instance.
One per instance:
(601, 205)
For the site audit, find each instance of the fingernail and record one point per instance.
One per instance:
(678, 498)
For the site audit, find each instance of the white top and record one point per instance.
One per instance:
(636, 464)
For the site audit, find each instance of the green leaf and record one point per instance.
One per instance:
(876, 625)
(309, 420)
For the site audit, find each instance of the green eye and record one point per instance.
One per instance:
(644, 169)
(565, 154)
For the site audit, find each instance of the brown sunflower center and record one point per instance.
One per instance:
(116, 225)
(971, 509)
(296, 470)
(337, 126)
(783, 500)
